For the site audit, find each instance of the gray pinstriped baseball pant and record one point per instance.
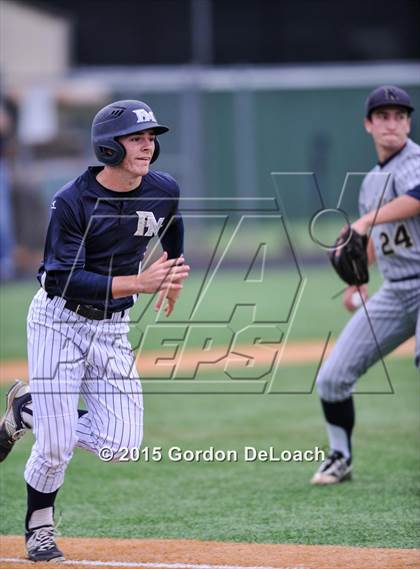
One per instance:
(393, 317)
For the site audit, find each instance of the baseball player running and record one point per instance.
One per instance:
(100, 226)
(389, 202)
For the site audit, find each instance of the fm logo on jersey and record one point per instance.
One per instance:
(147, 225)
(144, 116)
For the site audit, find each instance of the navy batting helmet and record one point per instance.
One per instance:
(118, 119)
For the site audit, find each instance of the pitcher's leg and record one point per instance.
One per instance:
(366, 338)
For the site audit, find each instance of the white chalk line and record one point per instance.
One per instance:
(152, 565)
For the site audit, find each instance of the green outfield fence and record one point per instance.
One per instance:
(231, 128)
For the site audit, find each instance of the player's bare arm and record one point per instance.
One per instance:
(403, 207)
(371, 252)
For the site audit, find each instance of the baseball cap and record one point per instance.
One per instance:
(387, 95)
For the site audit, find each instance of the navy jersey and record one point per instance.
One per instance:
(95, 233)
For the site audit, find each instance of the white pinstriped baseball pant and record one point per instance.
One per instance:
(394, 316)
(71, 356)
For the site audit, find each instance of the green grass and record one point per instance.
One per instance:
(261, 502)
(306, 309)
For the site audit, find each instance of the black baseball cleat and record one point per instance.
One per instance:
(12, 427)
(333, 470)
(41, 546)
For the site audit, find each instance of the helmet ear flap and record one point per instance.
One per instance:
(156, 152)
(111, 152)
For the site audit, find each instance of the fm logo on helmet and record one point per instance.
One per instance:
(144, 116)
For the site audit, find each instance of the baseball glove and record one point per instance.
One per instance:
(349, 257)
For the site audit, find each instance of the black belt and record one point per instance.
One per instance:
(409, 278)
(87, 310)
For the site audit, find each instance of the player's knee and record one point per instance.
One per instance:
(324, 386)
(334, 383)
(325, 380)
(57, 455)
(123, 445)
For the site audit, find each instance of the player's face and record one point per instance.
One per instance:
(389, 127)
(139, 149)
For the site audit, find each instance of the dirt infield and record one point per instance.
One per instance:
(151, 363)
(189, 554)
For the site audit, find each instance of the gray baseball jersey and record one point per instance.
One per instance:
(397, 244)
(390, 316)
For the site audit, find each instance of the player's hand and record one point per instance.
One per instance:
(171, 296)
(354, 297)
(362, 225)
(163, 275)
